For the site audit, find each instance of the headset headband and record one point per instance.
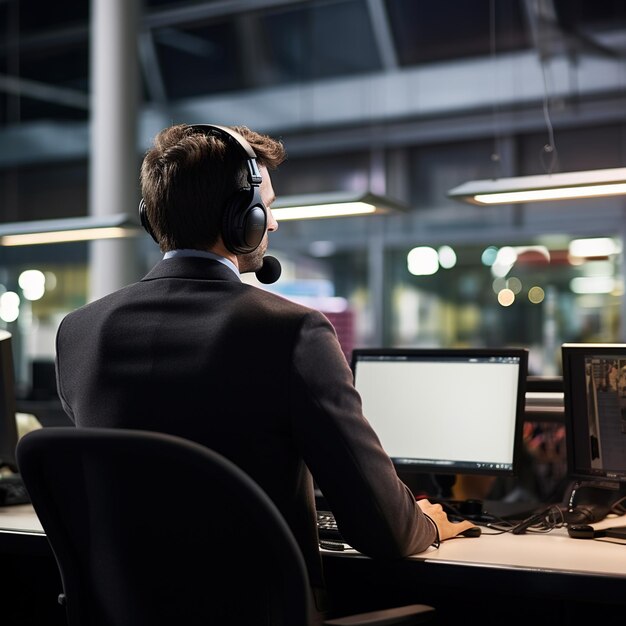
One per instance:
(254, 176)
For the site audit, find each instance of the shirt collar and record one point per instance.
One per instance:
(171, 254)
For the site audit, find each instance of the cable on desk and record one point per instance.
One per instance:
(542, 522)
(619, 507)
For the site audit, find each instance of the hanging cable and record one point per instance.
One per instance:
(495, 155)
(549, 154)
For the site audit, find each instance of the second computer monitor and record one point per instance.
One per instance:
(445, 411)
(8, 425)
(594, 385)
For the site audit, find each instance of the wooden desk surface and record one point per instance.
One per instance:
(553, 551)
(535, 573)
(547, 578)
(20, 518)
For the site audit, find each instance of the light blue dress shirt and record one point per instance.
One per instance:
(171, 254)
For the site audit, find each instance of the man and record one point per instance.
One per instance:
(193, 351)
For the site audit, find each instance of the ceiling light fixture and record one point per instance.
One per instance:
(549, 186)
(564, 186)
(68, 230)
(595, 247)
(341, 204)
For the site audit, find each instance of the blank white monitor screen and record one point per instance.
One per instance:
(445, 410)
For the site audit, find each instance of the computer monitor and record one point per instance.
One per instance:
(8, 425)
(445, 411)
(43, 380)
(594, 399)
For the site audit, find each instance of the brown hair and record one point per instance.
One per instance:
(187, 177)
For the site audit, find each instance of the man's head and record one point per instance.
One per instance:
(189, 179)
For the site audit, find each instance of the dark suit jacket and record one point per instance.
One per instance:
(192, 351)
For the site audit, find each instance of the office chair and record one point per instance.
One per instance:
(151, 529)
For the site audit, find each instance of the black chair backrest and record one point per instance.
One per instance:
(152, 529)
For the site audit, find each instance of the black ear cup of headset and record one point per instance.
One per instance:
(244, 219)
(144, 220)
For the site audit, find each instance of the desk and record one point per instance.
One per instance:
(549, 577)
(30, 578)
(554, 551)
(538, 578)
(19, 519)
(21, 531)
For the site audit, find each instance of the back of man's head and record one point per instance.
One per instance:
(188, 176)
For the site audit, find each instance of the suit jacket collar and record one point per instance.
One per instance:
(191, 267)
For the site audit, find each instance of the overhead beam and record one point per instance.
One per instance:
(43, 91)
(158, 18)
(436, 90)
(212, 10)
(151, 68)
(382, 34)
(438, 102)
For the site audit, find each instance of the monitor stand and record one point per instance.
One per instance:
(431, 486)
(488, 511)
(440, 487)
(511, 511)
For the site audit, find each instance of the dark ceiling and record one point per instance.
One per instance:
(206, 47)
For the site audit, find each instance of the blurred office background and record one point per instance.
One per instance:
(404, 99)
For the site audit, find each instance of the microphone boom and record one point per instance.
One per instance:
(270, 271)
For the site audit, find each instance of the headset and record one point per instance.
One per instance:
(244, 217)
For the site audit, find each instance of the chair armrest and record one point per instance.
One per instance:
(407, 615)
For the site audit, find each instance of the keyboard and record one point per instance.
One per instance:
(13, 491)
(327, 527)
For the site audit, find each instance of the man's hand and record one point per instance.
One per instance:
(446, 528)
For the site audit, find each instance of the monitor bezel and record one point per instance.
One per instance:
(572, 393)
(423, 468)
(8, 417)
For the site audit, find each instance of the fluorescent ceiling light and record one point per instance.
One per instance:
(67, 230)
(593, 284)
(583, 184)
(594, 247)
(341, 204)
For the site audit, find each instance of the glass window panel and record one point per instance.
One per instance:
(168, 4)
(434, 31)
(543, 299)
(31, 109)
(335, 172)
(577, 149)
(437, 169)
(321, 41)
(198, 61)
(40, 192)
(60, 60)
(38, 315)
(36, 16)
(600, 15)
(65, 65)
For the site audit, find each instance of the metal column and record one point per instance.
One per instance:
(114, 166)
